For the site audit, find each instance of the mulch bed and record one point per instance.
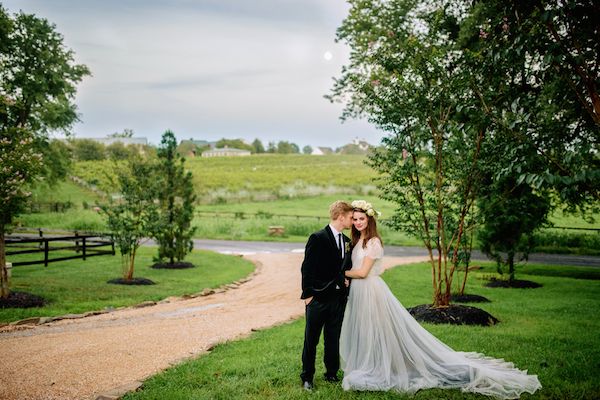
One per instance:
(175, 265)
(22, 300)
(468, 298)
(455, 314)
(134, 281)
(515, 283)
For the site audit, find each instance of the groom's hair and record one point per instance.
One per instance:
(338, 208)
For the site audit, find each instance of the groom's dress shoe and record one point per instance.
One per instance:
(307, 385)
(331, 379)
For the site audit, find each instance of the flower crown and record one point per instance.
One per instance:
(366, 207)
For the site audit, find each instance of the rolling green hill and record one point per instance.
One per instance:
(259, 177)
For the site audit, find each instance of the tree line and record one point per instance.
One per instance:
(62, 152)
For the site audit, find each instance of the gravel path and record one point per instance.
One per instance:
(110, 353)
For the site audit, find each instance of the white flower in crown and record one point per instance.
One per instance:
(366, 207)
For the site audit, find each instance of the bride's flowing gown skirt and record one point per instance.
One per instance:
(384, 348)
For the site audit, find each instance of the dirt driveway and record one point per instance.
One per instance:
(108, 354)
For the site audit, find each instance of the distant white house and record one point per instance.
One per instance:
(225, 152)
(321, 151)
(361, 143)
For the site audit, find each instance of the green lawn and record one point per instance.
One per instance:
(76, 286)
(551, 331)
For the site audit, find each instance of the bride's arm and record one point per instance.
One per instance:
(363, 271)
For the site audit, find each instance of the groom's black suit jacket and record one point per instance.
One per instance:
(323, 266)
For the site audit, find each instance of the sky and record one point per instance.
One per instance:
(207, 69)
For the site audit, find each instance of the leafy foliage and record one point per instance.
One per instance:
(405, 75)
(38, 78)
(511, 214)
(173, 230)
(235, 144)
(132, 217)
(258, 146)
(450, 81)
(539, 64)
(88, 150)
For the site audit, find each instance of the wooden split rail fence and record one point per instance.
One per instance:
(84, 245)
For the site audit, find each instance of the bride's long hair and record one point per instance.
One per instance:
(370, 230)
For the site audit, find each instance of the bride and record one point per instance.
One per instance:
(383, 347)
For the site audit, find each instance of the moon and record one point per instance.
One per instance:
(327, 55)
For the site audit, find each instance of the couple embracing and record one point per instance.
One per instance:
(367, 331)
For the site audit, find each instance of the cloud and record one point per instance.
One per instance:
(211, 68)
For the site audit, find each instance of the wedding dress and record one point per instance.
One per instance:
(383, 347)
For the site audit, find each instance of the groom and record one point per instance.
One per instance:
(324, 291)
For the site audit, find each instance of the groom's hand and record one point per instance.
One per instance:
(347, 282)
(308, 300)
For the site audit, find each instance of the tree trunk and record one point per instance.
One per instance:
(461, 292)
(468, 250)
(4, 288)
(511, 266)
(131, 264)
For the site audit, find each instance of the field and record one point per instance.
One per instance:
(550, 331)
(241, 197)
(261, 177)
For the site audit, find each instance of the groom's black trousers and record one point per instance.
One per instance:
(323, 315)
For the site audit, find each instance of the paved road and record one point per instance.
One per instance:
(247, 247)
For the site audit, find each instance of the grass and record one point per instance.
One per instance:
(70, 220)
(279, 209)
(246, 226)
(258, 177)
(76, 286)
(551, 331)
(316, 206)
(64, 191)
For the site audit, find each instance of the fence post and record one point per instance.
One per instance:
(84, 248)
(45, 252)
(76, 241)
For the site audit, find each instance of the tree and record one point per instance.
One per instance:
(307, 150)
(132, 217)
(272, 147)
(38, 78)
(517, 77)
(173, 231)
(57, 156)
(258, 146)
(234, 143)
(119, 151)
(187, 147)
(20, 163)
(405, 76)
(547, 55)
(511, 213)
(88, 150)
(284, 147)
